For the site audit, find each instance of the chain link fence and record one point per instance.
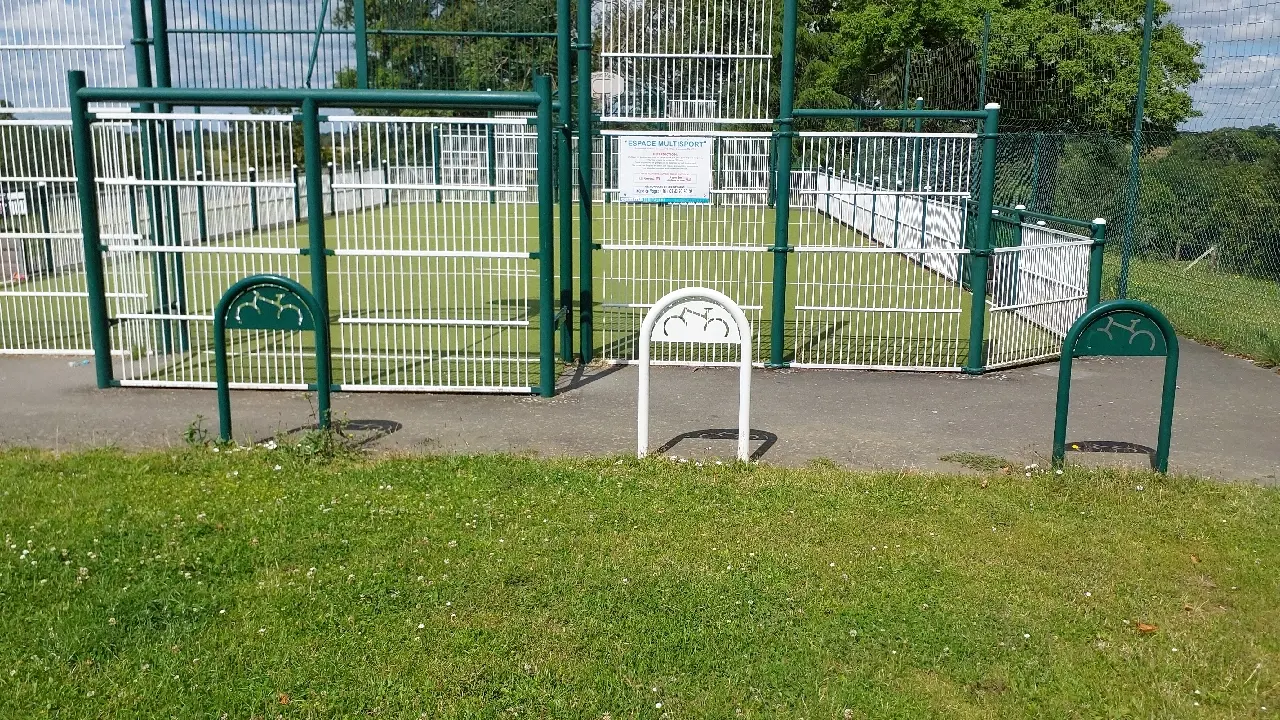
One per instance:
(1191, 191)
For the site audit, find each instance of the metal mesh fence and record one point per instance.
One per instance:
(1193, 212)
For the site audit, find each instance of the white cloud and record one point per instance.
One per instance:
(1240, 82)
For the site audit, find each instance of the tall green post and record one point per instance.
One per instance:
(564, 170)
(491, 159)
(782, 214)
(362, 43)
(918, 151)
(42, 200)
(386, 180)
(202, 222)
(546, 243)
(980, 253)
(1135, 154)
(333, 192)
(95, 275)
(163, 78)
(1095, 262)
(1035, 173)
(586, 247)
(253, 199)
(297, 197)
(315, 209)
(436, 162)
(982, 68)
(906, 88)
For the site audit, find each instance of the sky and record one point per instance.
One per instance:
(1240, 83)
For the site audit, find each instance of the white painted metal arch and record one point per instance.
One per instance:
(696, 315)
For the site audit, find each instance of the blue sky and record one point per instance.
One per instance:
(1240, 84)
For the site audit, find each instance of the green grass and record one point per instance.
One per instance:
(506, 289)
(196, 584)
(1235, 313)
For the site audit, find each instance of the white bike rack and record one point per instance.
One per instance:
(698, 315)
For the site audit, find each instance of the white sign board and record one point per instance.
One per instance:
(664, 169)
(12, 204)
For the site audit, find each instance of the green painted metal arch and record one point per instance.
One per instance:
(1111, 308)
(319, 323)
(1088, 322)
(246, 285)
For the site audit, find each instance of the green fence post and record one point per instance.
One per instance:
(1135, 154)
(586, 307)
(315, 213)
(202, 223)
(875, 186)
(982, 68)
(386, 180)
(333, 193)
(95, 275)
(782, 213)
(436, 162)
(163, 79)
(491, 159)
(362, 43)
(917, 165)
(546, 244)
(42, 198)
(608, 165)
(253, 199)
(771, 179)
(297, 197)
(906, 89)
(564, 168)
(1095, 262)
(980, 254)
(1035, 173)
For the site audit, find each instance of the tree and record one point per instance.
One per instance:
(454, 62)
(1050, 66)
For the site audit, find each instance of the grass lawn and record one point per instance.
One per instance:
(1236, 313)
(387, 287)
(256, 584)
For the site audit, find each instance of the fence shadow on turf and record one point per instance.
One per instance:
(1117, 447)
(764, 437)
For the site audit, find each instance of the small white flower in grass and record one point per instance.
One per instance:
(261, 630)
(277, 468)
(111, 621)
(214, 449)
(1088, 594)
(421, 626)
(1058, 472)
(222, 612)
(1139, 488)
(1175, 649)
(1026, 636)
(658, 705)
(1197, 692)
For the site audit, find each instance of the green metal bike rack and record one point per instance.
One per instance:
(269, 302)
(1120, 328)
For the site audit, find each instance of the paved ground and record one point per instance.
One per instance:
(1227, 423)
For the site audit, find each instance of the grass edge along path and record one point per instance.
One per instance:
(258, 584)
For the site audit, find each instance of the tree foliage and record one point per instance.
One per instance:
(454, 62)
